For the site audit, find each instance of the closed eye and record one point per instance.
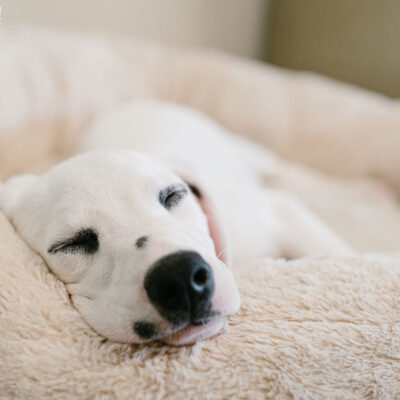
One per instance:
(172, 195)
(85, 241)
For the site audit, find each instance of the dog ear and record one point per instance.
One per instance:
(13, 190)
(215, 226)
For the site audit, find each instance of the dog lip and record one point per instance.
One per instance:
(199, 323)
(205, 320)
(194, 332)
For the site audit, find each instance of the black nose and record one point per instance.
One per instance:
(180, 287)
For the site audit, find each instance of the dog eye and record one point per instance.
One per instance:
(172, 195)
(85, 241)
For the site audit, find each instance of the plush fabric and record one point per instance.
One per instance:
(312, 328)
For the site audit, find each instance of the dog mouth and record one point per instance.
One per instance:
(185, 333)
(198, 331)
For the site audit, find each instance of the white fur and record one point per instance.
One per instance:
(115, 192)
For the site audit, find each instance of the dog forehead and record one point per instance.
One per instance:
(112, 170)
(105, 187)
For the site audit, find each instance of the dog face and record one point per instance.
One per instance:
(131, 243)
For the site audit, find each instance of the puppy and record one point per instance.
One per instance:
(142, 225)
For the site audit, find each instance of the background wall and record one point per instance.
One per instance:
(352, 40)
(237, 26)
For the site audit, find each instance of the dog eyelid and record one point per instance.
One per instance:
(172, 195)
(85, 240)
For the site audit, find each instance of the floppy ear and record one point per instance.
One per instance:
(215, 227)
(214, 224)
(13, 190)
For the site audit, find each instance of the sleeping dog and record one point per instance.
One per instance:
(143, 224)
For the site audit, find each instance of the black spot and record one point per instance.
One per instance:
(145, 330)
(85, 241)
(141, 241)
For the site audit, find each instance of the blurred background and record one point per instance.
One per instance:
(350, 40)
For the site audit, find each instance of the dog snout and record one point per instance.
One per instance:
(180, 286)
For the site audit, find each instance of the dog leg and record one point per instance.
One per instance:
(302, 233)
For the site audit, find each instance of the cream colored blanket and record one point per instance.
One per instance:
(313, 328)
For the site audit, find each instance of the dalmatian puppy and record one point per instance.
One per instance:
(144, 224)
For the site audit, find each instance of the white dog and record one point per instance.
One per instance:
(141, 228)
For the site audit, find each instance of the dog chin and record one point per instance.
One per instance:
(195, 333)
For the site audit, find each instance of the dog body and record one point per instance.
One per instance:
(238, 177)
(142, 236)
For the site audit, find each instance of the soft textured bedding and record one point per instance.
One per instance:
(312, 328)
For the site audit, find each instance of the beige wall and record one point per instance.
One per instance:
(236, 26)
(353, 40)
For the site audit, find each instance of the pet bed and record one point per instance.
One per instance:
(321, 328)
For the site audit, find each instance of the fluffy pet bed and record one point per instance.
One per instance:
(312, 328)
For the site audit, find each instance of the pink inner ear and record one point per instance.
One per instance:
(215, 232)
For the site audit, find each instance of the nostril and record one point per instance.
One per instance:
(200, 278)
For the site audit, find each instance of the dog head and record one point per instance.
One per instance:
(130, 241)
